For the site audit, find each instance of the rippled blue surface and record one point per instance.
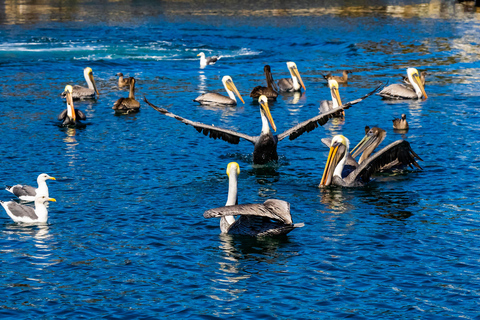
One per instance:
(127, 239)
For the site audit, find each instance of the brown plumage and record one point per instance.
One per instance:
(122, 82)
(400, 124)
(270, 91)
(342, 79)
(128, 105)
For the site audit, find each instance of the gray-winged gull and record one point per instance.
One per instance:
(28, 193)
(22, 213)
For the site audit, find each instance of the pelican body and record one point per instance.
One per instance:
(28, 193)
(400, 124)
(205, 61)
(415, 90)
(265, 145)
(270, 91)
(26, 214)
(123, 82)
(218, 99)
(342, 79)
(292, 84)
(128, 105)
(334, 173)
(272, 218)
(80, 92)
(71, 116)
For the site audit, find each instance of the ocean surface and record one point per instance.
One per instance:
(127, 238)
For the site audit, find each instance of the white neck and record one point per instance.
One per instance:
(203, 61)
(232, 195)
(296, 84)
(415, 86)
(70, 112)
(89, 82)
(41, 211)
(42, 188)
(334, 100)
(230, 93)
(265, 125)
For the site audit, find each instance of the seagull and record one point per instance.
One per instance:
(28, 193)
(26, 214)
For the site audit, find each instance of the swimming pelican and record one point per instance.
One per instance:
(216, 98)
(204, 61)
(400, 124)
(80, 92)
(26, 214)
(334, 173)
(270, 91)
(128, 105)
(122, 82)
(294, 83)
(422, 78)
(342, 79)
(327, 105)
(402, 91)
(265, 145)
(28, 193)
(71, 116)
(272, 218)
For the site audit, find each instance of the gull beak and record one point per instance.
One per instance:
(232, 87)
(266, 109)
(52, 199)
(52, 178)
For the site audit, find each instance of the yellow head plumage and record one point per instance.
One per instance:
(232, 165)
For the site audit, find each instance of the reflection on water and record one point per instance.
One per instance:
(337, 199)
(202, 86)
(71, 144)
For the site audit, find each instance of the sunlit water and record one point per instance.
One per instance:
(127, 237)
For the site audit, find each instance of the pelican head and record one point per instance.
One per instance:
(88, 74)
(373, 137)
(333, 85)
(233, 171)
(416, 82)
(234, 168)
(292, 67)
(70, 108)
(230, 87)
(265, 112)
(336, 159)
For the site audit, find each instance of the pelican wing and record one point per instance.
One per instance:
(398, 91)
(399, 152)
(227, 135)
(62, 115)
(321, 119)
(80, 115)
(285, 84)
(277, 210)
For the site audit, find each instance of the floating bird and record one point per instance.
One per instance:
(400, 124)
(28, 193)
(122, 82)
(265, 145)
(26, 214)
(272, 218)
(415, 90)
(71, 116)
(270, 91)
(422, 78)
(216, 98)
(342, 79)
(128, 105)
(334, 173)
(294, 83)
(80, 92)
(204, 61)
(327, 105)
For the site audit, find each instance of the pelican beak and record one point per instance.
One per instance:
(336, 95)
(295, 72)
(361, 146)
(52, 199)
(416, 78)
(70, 104)
(90, 75)
(334, 156)
(266, 109)
(232, 87)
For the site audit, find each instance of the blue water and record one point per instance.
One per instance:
(126, 237)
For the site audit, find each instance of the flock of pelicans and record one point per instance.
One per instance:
(273, 216)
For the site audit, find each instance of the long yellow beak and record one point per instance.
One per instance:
(231, 86)
(359, 145)
(416, 78)
(297, 74)
(94, 84)
(70, 105)
(269, 115)
(329, 166)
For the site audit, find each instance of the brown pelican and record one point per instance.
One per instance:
(422, 78)
(327, 105)
(80, 92)
(294, 83)
(128, 105)
(28, 193)
(401, 91)
(26, 214)
(71, 116)
(265, 145)
(204, 61)
(270, 91)
(272, 218)
(342, 79)
(122, 82)
(215, 98)
(334, 173)
(400, 124)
